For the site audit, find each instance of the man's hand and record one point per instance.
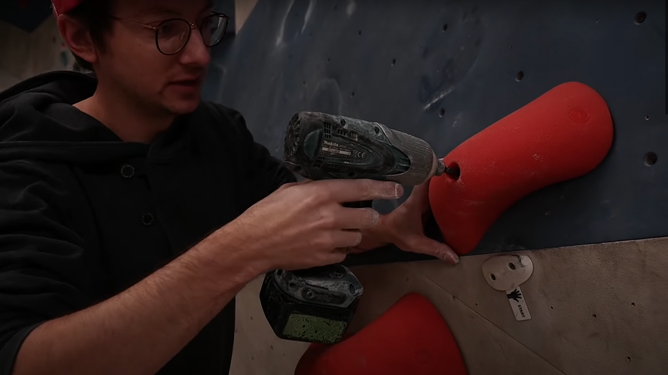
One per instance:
(303, 225)
(404, 227)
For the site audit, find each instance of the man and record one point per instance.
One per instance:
(131, 212)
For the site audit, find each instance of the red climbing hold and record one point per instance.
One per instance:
(411, 337)
(563, 134)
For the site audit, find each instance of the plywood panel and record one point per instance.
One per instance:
(24, 55)
(486, 348)
(243, 9)
(622, 284)
(257, 350)
(595, 309)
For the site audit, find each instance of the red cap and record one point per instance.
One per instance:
(64, 6)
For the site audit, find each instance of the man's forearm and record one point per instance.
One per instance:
(141, 329)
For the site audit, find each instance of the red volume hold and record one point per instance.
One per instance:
(563, 134)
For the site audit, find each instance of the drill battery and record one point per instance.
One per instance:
(313, 305)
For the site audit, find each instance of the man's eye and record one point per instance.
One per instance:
(168, 30)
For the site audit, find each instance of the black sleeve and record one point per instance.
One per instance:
(264, 172)
(40, 258)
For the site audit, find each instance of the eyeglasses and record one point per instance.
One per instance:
(172, 35)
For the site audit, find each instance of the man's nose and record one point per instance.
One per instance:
(195, 52)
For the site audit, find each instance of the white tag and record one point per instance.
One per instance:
(518, 304)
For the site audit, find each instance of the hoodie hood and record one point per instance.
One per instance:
(38, 122)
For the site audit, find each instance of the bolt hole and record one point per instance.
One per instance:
(640, 17)
(328, 60)
(304, 83)
(650, 158)
(633, 303)
(551, 307)
(628, 359)
(511, 266)
(352, 94)
(519, 76)
(454, 172)
(492, 276)
(594, 315)
(646, 117)
(394, 62)
(441, 112)
(359, 32)
(445, 27)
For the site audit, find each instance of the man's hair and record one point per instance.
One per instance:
(94, 16)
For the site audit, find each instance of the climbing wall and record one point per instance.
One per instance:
(444, 71)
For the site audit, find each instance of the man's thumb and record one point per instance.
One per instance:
(425, 245)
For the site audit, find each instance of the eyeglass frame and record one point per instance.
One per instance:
(190, 29)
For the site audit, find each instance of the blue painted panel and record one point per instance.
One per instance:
(25, 14)
(445, 70)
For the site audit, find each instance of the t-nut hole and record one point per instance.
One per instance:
(511, 266)
(453, 171)
(493, 277)
(519, 76)
(650, 158)
(640, 17)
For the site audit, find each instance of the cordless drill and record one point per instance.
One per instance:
(317, 304)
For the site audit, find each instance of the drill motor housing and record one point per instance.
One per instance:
(323, 146)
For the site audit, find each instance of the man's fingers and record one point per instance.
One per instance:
(356, 218)
(425, 245)
(347, 238)
(357, 190)
(291, 184)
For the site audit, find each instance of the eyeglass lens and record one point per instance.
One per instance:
(173, 35)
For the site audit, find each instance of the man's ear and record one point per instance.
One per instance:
(77, 38)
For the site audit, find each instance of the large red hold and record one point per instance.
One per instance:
(411, 337)
(563, 134)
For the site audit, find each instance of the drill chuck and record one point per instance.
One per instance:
(323, 146)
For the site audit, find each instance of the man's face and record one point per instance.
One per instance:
(135, 67)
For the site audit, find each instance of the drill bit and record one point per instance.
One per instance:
(450, 171)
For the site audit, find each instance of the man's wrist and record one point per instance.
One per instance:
(224, 256)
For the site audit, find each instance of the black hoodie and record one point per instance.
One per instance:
(83, 215)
